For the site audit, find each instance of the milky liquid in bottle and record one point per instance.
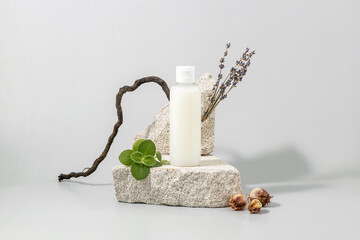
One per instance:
(185, 119)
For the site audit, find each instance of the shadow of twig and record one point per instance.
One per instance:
(89, 184)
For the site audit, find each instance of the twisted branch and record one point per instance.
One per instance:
(87, 171)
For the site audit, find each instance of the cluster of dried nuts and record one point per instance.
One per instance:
(257, 198)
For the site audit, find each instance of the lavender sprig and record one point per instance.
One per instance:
(221, 66)
(236, 74)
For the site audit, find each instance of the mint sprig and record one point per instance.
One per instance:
(141, 158)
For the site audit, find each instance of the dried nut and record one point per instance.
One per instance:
(238, 202)
(261, 194)
(254, 206)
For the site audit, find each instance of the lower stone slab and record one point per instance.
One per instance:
(211, 184)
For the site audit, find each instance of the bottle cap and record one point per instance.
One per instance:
(185, 74)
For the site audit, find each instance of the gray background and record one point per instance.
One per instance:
(292, 126)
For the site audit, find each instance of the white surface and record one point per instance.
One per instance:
(318, 209)
(185, 124)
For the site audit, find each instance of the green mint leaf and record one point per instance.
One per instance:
(149, 161)
(157, 164)
(147, 147)
(139, 171)
(158, 155)
(136, 144)
(124, 157)
(136, 157)
(165, 162)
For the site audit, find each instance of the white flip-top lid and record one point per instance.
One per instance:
(185, 74)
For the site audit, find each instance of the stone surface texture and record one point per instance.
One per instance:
(211, 184)
(159, 130)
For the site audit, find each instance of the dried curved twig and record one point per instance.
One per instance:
(87, 171)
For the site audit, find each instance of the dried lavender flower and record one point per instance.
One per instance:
(221, 66)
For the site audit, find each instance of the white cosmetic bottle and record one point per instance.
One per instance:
(185, 119)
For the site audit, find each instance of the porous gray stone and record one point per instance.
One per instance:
(211, 184)
(159, 130)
